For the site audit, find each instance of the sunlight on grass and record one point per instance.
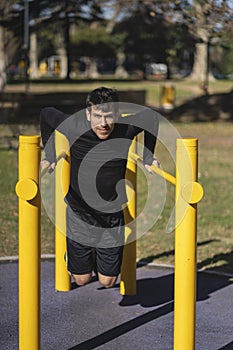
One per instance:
(214, 211)
(184, 89)
(215, 240)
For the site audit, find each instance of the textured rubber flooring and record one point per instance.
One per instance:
(91, 317)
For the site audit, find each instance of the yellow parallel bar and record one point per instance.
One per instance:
(27, 189)
(62, 177)
(185, 244)
(158, 171)
(128, 270)
(63, 155)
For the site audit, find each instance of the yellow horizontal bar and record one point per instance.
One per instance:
(158, 171)
(63, 155)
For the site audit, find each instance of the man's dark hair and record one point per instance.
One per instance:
(105, 98)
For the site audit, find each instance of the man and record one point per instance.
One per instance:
(99, 141)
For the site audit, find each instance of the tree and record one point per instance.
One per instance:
(92, 42)
(225, 66)
(61, 14)
(149, 35)
(143, 40)
(206, 20)
(42, 14)
(10, 24)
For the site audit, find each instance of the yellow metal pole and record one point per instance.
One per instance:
(62, 176)
(27, 189)
(128, 270)
(168, 96)
(188, 193)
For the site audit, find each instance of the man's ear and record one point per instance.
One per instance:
(88, 114)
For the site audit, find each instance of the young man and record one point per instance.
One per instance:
(99, 141)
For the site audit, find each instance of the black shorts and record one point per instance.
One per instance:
(91, 237)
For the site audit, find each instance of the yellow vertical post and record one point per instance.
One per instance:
(62, 178)
(188, 193)
(27, 189)
(168, 96)
(128, 270)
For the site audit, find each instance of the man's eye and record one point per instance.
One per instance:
(99, 116)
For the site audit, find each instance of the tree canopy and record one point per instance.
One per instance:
(181, 33)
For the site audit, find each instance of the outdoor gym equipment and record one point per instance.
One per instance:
(188, 193)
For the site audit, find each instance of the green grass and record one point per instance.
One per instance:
(184, 89)
(8, 203)
(9, 209)
(215, 240)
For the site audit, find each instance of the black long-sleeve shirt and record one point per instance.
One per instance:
(97, 166)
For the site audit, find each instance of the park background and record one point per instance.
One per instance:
(52, 50)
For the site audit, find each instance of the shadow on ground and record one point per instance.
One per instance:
(227, 266)
(205, 108)
(227, 347)
(25, 107)
(226, 259)
(153, 292)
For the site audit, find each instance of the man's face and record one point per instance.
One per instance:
(102, 123)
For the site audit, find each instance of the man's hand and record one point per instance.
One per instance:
(155, 162)
(45, 164)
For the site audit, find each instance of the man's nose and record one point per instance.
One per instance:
(103, 120)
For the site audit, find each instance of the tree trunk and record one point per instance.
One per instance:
(200, 65)
(2, 60)
(120, 71)
(33, 56)
(67, 44)
(201, 69)
(63, 56)
(91, 68)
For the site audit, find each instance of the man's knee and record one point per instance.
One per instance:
(81, 280)
(107, 281)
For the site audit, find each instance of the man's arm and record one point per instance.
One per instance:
(50, 119)
(150, 138)
(147, 121)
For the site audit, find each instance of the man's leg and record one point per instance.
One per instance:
(81, 280)
(109, 262)
(80, 261)
(107, 281)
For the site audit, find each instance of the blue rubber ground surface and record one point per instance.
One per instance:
(94, 318)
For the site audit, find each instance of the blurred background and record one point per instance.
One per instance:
(138, 39)
(174, 56)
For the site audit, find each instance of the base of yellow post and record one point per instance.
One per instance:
(62, 277)
(128, 271)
